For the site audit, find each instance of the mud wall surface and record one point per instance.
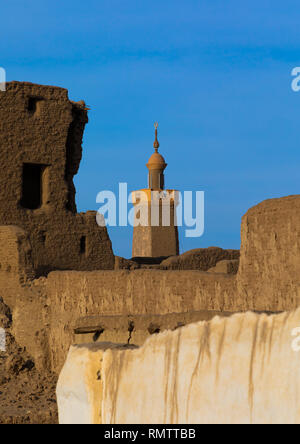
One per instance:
(270, 254)
(238, 370)
(49, 309)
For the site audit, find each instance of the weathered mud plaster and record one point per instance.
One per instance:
(41, 134)
(238, 370)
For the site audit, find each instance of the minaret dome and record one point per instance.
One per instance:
(156, 166)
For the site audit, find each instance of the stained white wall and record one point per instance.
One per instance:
(242, 369)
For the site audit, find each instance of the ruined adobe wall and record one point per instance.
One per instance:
(268, 280)
(75, 294)
(36, 124)
(199, 259)
(270, 254)
(40, 126)
(50, 307)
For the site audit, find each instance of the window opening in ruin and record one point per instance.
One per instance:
(33, 105)
(32, 185)
(83, 245)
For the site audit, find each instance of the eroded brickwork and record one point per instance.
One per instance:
(40, 151)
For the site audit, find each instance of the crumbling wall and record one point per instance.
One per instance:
(267, 281)
(71, 295)
(46, 310)
(199, 259)
(40, 151)
(226, 266)
(202, 259)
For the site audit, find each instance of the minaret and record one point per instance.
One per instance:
(156, 166)
(155, 233)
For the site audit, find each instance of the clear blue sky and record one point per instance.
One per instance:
(216, 74)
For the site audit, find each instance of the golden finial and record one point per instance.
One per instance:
(156, 143)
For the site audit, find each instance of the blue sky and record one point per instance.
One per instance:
(215, 74)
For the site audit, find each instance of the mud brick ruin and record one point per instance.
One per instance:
(60, 282)
(40, 137)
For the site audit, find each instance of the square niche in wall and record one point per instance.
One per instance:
(32, 185)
